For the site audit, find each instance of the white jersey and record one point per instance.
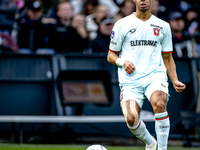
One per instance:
(142, 44)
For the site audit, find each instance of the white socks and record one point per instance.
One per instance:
(162, 127)
(141, 132)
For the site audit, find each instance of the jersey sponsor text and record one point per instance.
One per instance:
(143, 43)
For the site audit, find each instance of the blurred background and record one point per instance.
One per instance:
(53, 63)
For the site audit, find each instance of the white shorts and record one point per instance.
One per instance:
(139, 94)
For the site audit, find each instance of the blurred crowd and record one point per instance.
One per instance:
(85, 26)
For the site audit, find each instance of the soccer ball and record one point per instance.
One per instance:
(96, 147)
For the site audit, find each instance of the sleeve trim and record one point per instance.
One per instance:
(168, 52)
(114, 51)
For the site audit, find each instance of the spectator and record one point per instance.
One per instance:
(7, 44)
(90, 6)
(117, 17)
(192, 20)
(64, 13)
(101, 42)
(192, 24)
(127, 7)
(155, 9)
(66, 38)
(93, 20)
(34, 28)
(8, 9)
(183, 44)
(78, 23)
(112, 7)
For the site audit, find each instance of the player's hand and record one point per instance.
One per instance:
(179, 86)
(129, 67)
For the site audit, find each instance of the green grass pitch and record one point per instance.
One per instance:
(74, 147)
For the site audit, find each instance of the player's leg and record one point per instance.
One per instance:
(157, 94)
(162, 124)
(131, 112)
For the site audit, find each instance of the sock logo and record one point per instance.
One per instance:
(164, 127)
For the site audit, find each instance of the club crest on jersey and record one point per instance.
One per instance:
(133, 31)
(156, 31)
(112, 35)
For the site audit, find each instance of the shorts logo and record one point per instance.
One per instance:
(121, 97)
(163, 85)
(112, 35)
(156, 31)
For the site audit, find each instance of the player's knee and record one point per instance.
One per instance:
(131, 120)
(160, 107)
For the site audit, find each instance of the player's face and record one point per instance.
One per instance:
(143, 5)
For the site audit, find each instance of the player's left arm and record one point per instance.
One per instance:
(171, 71)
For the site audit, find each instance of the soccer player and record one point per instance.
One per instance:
(144, 44)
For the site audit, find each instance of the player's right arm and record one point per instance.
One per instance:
(117, 38)
(112, 57)
(115, 60)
